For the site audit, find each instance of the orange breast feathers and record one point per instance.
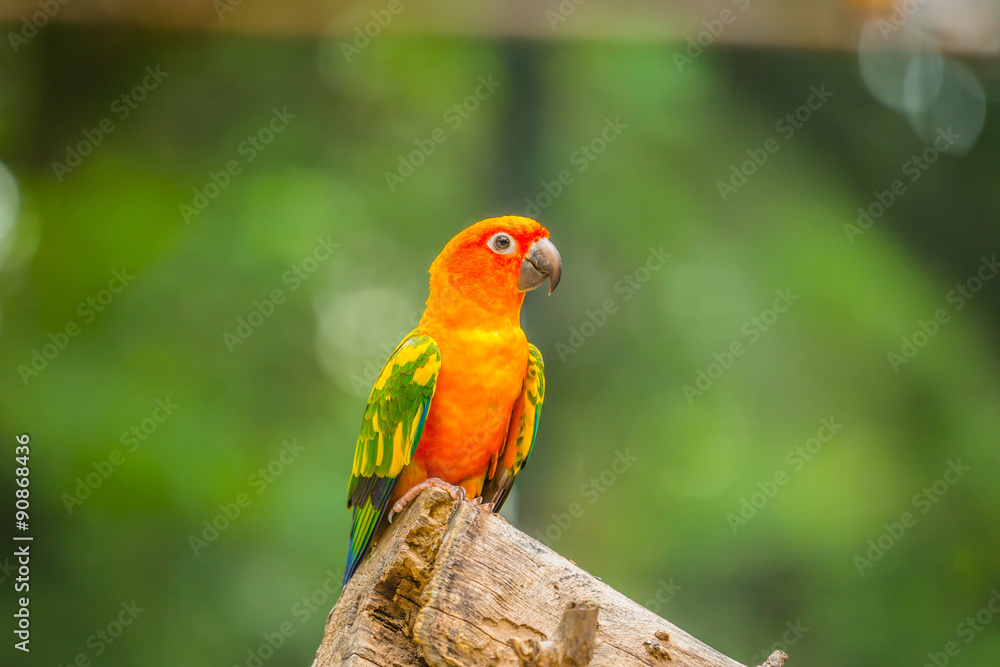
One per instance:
(482, 373)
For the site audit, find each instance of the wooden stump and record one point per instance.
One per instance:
(449, 584)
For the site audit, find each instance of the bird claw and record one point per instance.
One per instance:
(456, 492)
(478, 502)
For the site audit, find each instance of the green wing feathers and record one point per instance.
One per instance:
(390, 431)
(521, 433)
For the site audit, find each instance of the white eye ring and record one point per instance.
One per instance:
(502, 243)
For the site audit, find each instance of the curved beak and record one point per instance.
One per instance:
(542, 262)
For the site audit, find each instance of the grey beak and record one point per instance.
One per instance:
(542, 262)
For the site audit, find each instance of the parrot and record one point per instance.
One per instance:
(457, 404)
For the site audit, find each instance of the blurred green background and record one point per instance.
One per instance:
(731, 523)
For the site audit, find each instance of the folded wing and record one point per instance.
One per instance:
(521, 432)
(390, 431)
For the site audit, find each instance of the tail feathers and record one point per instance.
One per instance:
(361, 534)
(367, 517)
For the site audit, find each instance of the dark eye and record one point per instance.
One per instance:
(501, 243)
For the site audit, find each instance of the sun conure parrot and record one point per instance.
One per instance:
(457, 403)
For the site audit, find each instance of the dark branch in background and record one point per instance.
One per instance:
(520, 128)
(936, 217)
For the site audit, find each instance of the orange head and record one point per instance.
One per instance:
(484, 271)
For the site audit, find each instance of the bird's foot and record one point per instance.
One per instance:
(478, 502)
(456, 492)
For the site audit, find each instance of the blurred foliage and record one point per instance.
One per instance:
(304, 373)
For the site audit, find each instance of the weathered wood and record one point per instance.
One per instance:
(372, 621)
(572, 644)
(776, 659)
(450, 584)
